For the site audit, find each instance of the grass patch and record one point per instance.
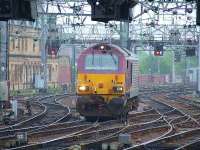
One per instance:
(24, 92)
(33, 92)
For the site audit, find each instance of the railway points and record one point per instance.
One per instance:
(162, 116)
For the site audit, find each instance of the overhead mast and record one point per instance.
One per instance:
(124, 34)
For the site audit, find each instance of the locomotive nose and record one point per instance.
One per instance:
(101, 84)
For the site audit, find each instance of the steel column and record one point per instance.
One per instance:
(43, 50)
(124, 34)
(173, 68)
(73, 65)
(199, 67)
(3, 51)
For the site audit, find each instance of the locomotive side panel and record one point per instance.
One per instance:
(134, 90)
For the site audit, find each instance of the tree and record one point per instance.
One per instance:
(150, 64)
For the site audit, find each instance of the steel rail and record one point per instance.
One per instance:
(9, 133)
(140, 146)
(80, 133)
(178, 140)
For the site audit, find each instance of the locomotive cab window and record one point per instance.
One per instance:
(101, 62)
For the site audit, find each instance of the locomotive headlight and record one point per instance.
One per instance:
(118, 89)
(83, 88)
(102, 47)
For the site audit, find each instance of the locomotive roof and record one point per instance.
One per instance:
(128, 54)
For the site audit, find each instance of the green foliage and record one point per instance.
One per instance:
(143, 58)
(25, 92)
(189, 62)
(166, 63)
(32, 92)
(152, 64)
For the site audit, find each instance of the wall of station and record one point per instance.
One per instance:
(150, 80)
(24, 58)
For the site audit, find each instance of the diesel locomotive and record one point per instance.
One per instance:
(107, 81)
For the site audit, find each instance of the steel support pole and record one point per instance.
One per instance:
(43, 50)
(173, 68)
(73, 63)
(3, 59)
(3, 51)
(124, 34)
(158, 65)
(185, 71)
(198, 89)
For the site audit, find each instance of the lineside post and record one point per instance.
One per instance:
(198, 87)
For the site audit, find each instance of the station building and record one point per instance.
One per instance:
(24, 56)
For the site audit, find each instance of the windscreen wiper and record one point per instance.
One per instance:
(113, 58)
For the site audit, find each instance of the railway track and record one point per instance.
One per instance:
(145, 134)
(21, 123)
(188, 110)
(23, 115)
(139, 133)
(178, 121)
(141, 126)
(53, 114)
(167, 118)
(65, 135)
(177, 141)
(96, 132)
(185, 126)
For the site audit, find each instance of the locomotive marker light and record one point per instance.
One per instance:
(102, 47)
(118, 89)
(83, 88)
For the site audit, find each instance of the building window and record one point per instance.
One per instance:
(19, 44)
(26, 74)
(26, 44)
(22, 44)
(12, 71)
(13, 43)
(50, 72)
(16, 73)
(33, 46)
(56, 68)
(20, 72)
